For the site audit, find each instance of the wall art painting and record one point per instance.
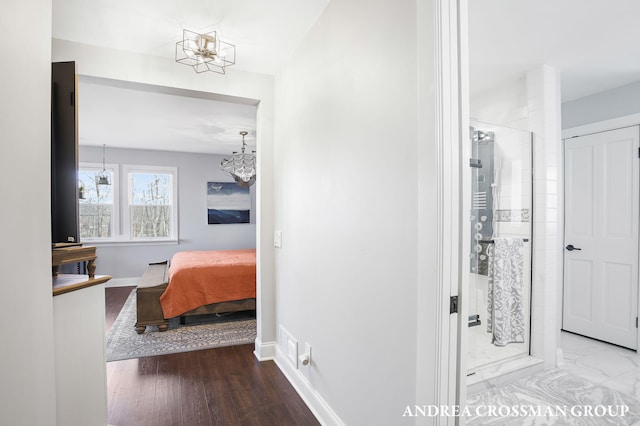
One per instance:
(227, 203)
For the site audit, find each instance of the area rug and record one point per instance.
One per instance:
(553, 397)
(199, 332)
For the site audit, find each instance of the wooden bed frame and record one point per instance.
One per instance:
(154, 282)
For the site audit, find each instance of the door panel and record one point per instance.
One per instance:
(580, 282)
(601, 221)
(618, 187)
(579, 181)
(618, 295)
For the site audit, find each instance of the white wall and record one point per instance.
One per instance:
(602, 106)
(131, 67)
(27, 383)
(194, 171)
(347, 160)
(505, 105)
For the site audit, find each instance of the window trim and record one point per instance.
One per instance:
(115, 185)
(121, 221)
(125, 211)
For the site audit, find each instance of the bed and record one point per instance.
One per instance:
(196, 283)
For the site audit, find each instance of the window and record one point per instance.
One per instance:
(143, 202)
(151, 207)
(98, 203)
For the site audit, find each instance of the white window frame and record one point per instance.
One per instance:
(115, 188)
(127, 170)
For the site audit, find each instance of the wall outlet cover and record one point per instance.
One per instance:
(288, 345)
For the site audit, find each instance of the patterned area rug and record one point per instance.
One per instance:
(553, 397)
(199, 332)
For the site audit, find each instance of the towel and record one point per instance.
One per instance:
(505, 305)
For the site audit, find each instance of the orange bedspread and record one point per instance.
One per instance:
(198, 278)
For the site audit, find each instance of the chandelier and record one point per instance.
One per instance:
(102, 178)
(241, 166)
(205, 52)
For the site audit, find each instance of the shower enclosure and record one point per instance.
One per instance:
(500, 231)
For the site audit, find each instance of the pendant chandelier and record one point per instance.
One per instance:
(205, 52)
(102, 178)
(241, 166)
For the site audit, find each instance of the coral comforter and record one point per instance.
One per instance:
(198, 278)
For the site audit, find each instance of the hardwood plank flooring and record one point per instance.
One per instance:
(222, 386)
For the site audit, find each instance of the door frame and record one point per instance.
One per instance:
(443, 108)
(599, 127)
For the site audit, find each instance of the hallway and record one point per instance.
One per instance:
(223, 386)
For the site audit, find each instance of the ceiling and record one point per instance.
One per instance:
(265, 32)
(145, 117)
(129, 115)
(593, 43)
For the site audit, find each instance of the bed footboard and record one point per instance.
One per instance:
(152, 284)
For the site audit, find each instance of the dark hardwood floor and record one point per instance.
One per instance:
(223, 386)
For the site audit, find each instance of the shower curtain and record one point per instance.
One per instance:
(505, 304)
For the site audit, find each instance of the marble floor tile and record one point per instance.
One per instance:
(595, 360)
(553, 397)
(602, 365)
(592, 373)
(628, 382)
(575, 346)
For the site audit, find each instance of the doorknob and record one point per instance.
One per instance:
(570, 247)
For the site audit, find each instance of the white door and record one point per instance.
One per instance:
(601, 236)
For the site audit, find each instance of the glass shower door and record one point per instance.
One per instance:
(500, 232)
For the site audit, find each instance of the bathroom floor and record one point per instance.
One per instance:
(592, 374)
(603, 363)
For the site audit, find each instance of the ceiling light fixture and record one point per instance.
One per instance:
(102, 178)
(205, 52)
(241, 166)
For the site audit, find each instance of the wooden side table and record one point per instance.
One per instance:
(73, 254)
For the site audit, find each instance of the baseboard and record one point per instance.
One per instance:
(265, 351)
(318, 406)
(122, 282)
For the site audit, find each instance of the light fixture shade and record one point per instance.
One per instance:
(205, 52)
(102, 178)
(241, 166)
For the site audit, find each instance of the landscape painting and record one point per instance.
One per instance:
(227, 203)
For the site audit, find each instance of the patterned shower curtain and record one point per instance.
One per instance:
(505, 305)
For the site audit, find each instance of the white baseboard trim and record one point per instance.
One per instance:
(265, 351)
(318, 406)
(122, 282)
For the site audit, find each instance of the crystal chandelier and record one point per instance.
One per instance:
(241, 166)
(205, 52)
